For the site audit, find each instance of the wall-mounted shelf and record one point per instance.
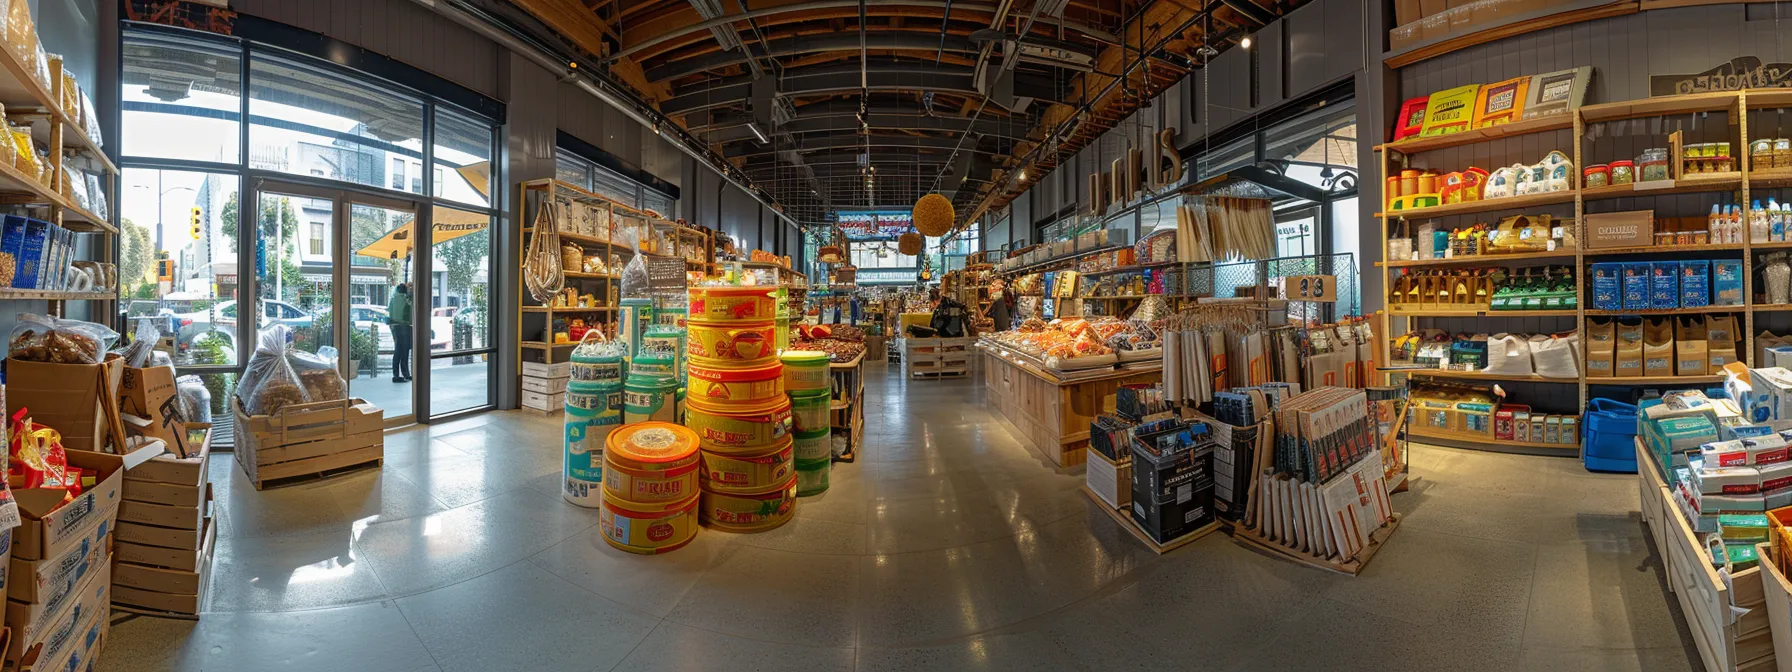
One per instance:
(1486, 205)
(1481, 313)
(1487, 134)
(1483, 259)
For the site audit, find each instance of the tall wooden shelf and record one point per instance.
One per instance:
(1396, 155)
(534, 320)
(58, 132)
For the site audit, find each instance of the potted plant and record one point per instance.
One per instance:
(363, 349)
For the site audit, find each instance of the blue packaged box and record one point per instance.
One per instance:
(1695, 284)
(30, 270)
(1664, 284)
(1636, 286)
(1726, 282)
(1608, 286)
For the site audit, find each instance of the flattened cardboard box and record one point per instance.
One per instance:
(162, 515)
(49, 581)
(169, 558)
(51, 527)
(156, 589)
(168, 468)
(32, 626)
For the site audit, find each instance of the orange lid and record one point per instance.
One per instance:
(653, 442)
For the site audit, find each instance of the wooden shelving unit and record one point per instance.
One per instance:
(1730, 187)
(57, 131)
(535, 321)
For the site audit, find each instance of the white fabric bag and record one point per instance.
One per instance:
(1556, 356)
(1508, 354)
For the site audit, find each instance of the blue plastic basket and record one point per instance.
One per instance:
(1608, 436)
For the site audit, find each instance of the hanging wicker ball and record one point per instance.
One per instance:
(933, 215)
(830, 254)
(909, 243)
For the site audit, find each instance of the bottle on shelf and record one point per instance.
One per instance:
(1757, 221)
(1734, 220)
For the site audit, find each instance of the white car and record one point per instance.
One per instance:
(369, 316)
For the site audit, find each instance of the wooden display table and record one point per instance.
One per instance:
(1053, 411)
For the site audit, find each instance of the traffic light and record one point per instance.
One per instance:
(195, 222)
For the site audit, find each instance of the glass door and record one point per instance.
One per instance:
(461, 348)
(383, 303)
(334, 266)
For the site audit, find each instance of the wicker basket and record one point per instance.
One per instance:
(572, 259)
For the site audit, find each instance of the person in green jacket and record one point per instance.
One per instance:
(398, 317)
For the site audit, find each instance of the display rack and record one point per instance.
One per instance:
(846, 409)
(535, 321)
(1736, 105)
(62, 135)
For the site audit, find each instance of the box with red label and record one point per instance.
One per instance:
(1505, 421)
(1776, 477)
(1740, 452)
(1728, 480)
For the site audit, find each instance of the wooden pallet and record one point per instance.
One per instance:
(1132, 528)
(938, 374)
(1251, 539)
(374, 463)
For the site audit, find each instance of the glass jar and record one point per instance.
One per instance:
(1623, 172)
(1652, 165)
(1596, 176)
(1723, 150)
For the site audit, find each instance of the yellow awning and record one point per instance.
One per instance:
(449, 224)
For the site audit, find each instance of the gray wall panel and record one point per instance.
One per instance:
(1272, 86)
(1305, 31)
(400, 29)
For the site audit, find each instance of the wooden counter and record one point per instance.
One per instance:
(1052, 413)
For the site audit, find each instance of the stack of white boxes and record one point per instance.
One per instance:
(165, 536)
(544, 385)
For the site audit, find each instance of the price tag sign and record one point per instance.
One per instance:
(664, 273)
(1311, 288)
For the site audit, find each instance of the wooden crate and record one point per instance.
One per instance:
(1726, 643)
(304, 440)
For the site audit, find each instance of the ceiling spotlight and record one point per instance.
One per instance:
(1246, 42)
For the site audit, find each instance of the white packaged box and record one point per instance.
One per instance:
(544, 402)
(539, 370)
(544, 385)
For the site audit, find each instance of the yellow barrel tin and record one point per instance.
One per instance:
(751, 470)
(731, 343)
(749, 513)
(738, 425)
(647, 530)
(651, 463)
(736, 385)
(732, 304)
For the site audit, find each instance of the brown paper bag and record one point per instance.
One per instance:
(1690, 357)
(1658, 347)
(1601, 340)
(1628, 360)
(1720, 341)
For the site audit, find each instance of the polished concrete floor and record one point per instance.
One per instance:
(948, 546)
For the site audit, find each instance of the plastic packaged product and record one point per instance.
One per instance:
(143, 342)
(1726, 282)
(1695, 283)
(806, 370)
(1623, 172)
(46, 338)
(279, 374)
(1596, 176)
(1652, 165)
(1608, 286)
(812, 476)
(37, 458)
(1636, 286)
(24, 152)
(195, 398)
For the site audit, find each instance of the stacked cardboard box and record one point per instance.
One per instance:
(164, 535)
(544, 385)
(309, 439)
(59, 580)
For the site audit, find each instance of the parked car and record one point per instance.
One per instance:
(368, 316)
(150, 308)
(192, 325)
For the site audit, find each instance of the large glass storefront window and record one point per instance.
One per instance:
(313, 221)
(584, 174)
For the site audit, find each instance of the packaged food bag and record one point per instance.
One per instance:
(46, 338)
(195, 398)
(1509, 354)
(1628, 344)
(1658, 347)
(36, 458)
(1556, 356)
(279, 374)
(143, 342)
(1602, 338)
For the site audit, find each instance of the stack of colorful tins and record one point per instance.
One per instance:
(736, 406)
(650, 495)
(593, 410)
(807, 382)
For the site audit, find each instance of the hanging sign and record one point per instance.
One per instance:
(1744, 72)
(664, 273)
(1321, 288)
(880, 225)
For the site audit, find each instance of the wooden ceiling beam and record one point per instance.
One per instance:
(584, 29)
